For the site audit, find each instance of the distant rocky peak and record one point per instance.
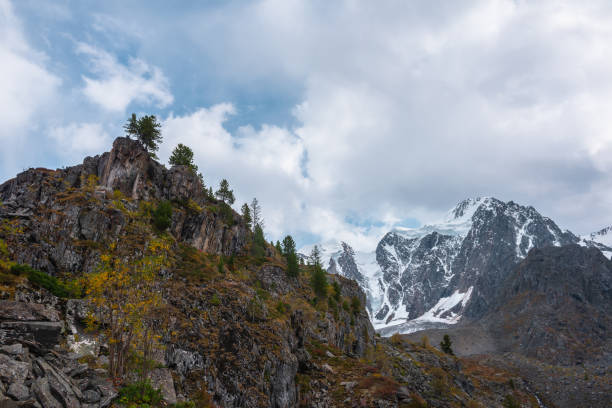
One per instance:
(604, 235)
(466, 208)
(347, 249)
(348, 265)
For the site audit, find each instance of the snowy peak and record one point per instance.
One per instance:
(603, 236)
(466, 209)
(440, 272)
(601, 240)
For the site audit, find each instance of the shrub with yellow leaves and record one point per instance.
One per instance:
(126, 303)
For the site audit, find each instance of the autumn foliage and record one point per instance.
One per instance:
(124, 296)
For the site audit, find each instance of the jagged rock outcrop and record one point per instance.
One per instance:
(551, 323)
(66, 215)
(555, 306)
(35, 371)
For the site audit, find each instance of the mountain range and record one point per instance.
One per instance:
(440, 273)
(215, 319)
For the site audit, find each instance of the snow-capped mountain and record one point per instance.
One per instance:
(603, 236)
(434, 275)
(601, 240)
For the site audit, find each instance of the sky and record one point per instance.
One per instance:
(343, 118)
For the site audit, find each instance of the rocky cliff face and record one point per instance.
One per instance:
(239, 338)
(66, 214)
(551, 323)
(555, 306)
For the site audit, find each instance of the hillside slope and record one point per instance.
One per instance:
(231, 328)
(552, 324)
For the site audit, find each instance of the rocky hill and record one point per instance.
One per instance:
(225, 326)
(551, 323)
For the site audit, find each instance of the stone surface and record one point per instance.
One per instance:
(46, 334)
(18, 391)
(25, 312)
(162, 378)
(91, 396)
(14, 349)
(13, 371)
(42, 391)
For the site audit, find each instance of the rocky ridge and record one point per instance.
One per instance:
(550, 324)
(66, 213)
(236, 331)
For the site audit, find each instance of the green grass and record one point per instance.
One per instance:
(44, 280)
(140, 394)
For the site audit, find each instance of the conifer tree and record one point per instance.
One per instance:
(315, 256)
(224, 193)
(278, 247)
(147, 130)
(288, 245)
(246, 215)
(337, 291)
(183, 156)
(319, 281)
(258, 249)
(446, 344)
(288, 251)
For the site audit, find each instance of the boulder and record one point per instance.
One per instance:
(68, 393)
(18, 391)
(47, 334)
(162, 378)
(13, 349)
(42, 391)
(12, 371)
(27, 312)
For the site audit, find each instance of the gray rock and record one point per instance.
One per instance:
(47, 334)
(12, 371)
(13, 349)
(8, 403)
(107, 392)
(162, 378)
(22, 311)
(103, 360)
(18, 391)
(42, 391)
(78, 370)
(63, 389)
(183, 361)
(91, 396)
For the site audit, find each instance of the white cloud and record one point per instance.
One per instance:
(25, 83)
(27, 88)
(77, 140)
(403, 110)
(408, 109)
(117, 85)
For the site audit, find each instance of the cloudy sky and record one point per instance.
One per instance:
(343, 118)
